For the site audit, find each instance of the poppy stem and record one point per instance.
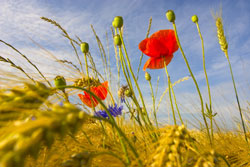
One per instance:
(130, 84)
(169, 91)
(195, 82)
(135, 80)
(153, 99)
(149, 27)
(208, 87)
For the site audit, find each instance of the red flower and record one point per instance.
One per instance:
(160, 47)
(100, 91)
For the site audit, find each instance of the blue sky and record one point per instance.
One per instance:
(21, 26)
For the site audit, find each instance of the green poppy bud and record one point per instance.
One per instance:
(194, 18)
(128, 93)
(117, 22)
(117, 40)
(59, 81)
(147, 76)
(84, 47)
(170, 16)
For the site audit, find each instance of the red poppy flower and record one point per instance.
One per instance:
(160, 47)
(100, 91)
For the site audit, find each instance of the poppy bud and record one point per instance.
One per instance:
(194, 18)
(170, 16)
(117, 40)
(84, 47)
(117, 22)
(147, 76)
(128, 93)
(59, 81)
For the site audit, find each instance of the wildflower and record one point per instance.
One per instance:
(114, 111)
(160, 47)
(100, 91)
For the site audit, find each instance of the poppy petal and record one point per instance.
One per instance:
(157, 63)
(87, 100)
(167, 37)
(101, 90)
(153, 47)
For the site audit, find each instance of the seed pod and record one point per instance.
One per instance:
(170, 16)
(147, 76)
(117, 40)
(128, 93)
(59, 81)
(194, 18)
(84, 47)
(117, 22)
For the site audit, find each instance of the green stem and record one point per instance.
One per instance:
(170, 96)
(176, 105)
(208, 87)
(195, 82)
(153, 99)
(237, 98)
(135, 80)
(129, 83)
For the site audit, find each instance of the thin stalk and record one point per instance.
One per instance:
(153, 99)
(87, 72)
(170, 96)
(88, 139)
(135, 80)
(176, 105)
(237, 97)
(195, 82)
(117, 59)
(130, 84)
(27, 60)
(208, 87)
(149, 27)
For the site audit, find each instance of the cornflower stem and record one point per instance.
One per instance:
(111, 121)
(135, 80)
(237, 97)
(129, 83)
(208, 87)
(153, 99)
(170, 96)
(195, 82)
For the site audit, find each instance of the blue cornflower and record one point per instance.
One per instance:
(114, 110)
(122, 99)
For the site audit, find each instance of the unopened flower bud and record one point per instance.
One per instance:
(59, 81)
(170, 16)
(147, 76)
(194, 18)
(117, 40)
(84, 47)
(117, 22)
(128, 93)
